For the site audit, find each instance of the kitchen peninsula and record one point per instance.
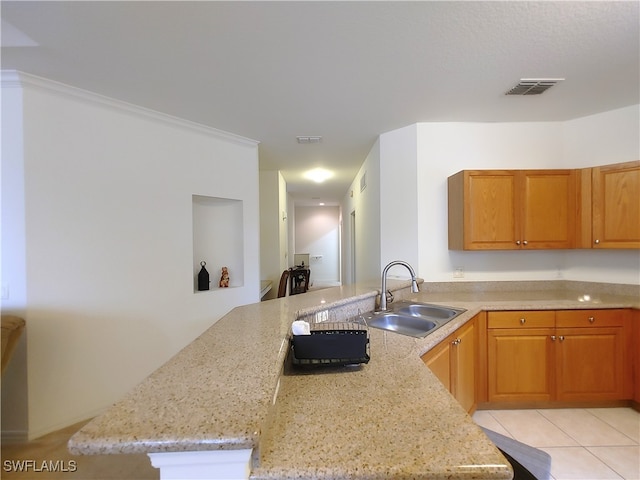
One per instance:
(227, 398)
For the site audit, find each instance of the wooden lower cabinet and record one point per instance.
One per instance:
(569, 355)
(520, 356)
(454, 362)
(438, 359)
(592, 355)
(520, 365)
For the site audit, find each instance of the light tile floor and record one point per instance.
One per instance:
(584, 443)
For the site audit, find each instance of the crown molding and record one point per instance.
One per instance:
(17, 79)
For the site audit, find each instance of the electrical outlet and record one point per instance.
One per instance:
(458, 272)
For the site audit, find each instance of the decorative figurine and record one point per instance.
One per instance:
(203, 277)
(224, 279)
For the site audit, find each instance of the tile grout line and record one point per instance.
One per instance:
(500, 423)
(578, 445)
(614, 427)
(561, 429)
(587, 448)
(586, 410)
(612, 467)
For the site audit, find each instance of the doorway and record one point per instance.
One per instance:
(352, 247)
(317, 234)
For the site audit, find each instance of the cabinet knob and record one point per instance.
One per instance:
(457, 341)
(596, 241)
(517, 242)
(523, 321)
(591, 319)
(553, 338)
(525, 243)
(561, 337)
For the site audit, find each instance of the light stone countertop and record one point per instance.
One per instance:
(390, 418)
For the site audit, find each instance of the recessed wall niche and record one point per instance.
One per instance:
(218, 239)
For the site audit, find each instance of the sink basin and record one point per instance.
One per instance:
(412, 318)
(433, 311)
(405, 324)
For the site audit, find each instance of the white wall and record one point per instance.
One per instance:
(273, 228)
(399, 208)
(107, 285)
(317, 232)
(13, 264)
(610, 137)
(366, 205)
(605, 138)
(446, 148)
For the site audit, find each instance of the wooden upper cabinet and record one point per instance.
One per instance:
(615, 207)
(548, 208)
(490, 215)
(512, 209)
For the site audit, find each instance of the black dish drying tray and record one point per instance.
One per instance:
(331, 344)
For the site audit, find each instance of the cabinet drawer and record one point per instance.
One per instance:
(591, 318)
(521, 319)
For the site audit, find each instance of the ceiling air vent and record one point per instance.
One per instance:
(309, 139)
(533, 86)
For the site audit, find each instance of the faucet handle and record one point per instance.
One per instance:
(389, 296)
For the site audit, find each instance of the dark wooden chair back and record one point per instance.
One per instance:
(284, 280)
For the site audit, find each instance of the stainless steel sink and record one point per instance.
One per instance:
(429, 311)
(412, 318)
(405, 324)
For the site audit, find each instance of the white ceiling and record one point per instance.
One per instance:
(347, 71)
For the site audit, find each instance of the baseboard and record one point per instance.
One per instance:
(554, 404)
(14, 436)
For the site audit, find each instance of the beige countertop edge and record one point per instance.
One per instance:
(162, 415)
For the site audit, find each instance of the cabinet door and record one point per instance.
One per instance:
(438, 359)
(548, 209)
(482, 210)
(520, 364)
(454, 362)
(464, 366)
(590, 363)
(615, 205)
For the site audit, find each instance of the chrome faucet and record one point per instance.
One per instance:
(383, 294)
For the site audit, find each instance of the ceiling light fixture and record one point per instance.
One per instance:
(309, 139)
(318, 175)
(533, 86)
